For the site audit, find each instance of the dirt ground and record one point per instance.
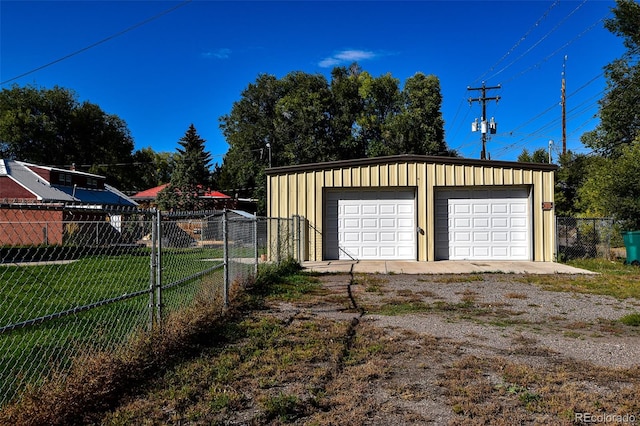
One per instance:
(378, 349)
(482, 349)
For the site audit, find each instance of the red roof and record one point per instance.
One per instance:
(152, 193)
(215, 194)
(149, 194)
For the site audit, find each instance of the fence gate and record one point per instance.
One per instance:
(582, 238)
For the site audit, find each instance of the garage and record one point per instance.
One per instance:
(365, 224)
(483, 224)
(419, 208)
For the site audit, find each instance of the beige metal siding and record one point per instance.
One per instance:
(301, 193)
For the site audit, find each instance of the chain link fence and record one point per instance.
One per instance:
(77, 281)
(581, 238)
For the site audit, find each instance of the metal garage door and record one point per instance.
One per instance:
(483, 224)
(370, 224)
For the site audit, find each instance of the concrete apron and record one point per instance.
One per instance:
(441, 267)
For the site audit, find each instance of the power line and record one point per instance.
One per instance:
(564, 46)
(104, 40)
(541, 40)
(529, 31)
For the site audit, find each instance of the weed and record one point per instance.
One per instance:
(631, 319)
(449, 279)
(283, 407)
(514, 295)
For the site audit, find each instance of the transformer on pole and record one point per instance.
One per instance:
(483, 125)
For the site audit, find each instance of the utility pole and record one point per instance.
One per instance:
(564, 108)
(491, 126)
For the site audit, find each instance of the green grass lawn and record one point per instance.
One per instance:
(30, 292)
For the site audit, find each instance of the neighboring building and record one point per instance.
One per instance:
(215, 199)
(422, 208)
(22, 182)
(37, 201)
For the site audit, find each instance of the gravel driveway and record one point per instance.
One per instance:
(468, 348)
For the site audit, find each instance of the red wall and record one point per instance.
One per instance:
(10, 190)
(30, 227)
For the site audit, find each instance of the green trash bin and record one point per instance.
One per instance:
(632, 244)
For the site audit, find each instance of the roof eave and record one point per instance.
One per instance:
(409, 158)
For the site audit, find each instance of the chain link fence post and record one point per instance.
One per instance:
(158, 218)
(255, 243)
(153, 267)
(225, 244)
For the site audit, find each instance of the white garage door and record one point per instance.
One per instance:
(370, 225)
(483, 224)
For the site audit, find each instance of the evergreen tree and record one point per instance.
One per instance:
(191, 177)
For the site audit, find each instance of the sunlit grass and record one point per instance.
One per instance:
(614, 279)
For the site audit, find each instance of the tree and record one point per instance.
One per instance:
(151, 169)
(540, 155)
(612, 188)
(191, 176)
(251, 133)
(619, 120)
(572, 172)
(419, 127)
(51, 127)
(382, 101)
(303, 118)
(346, 107)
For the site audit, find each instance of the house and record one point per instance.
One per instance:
(422, 208)
(216, 199)
(38, 202)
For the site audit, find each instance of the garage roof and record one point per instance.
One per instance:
(410, 158)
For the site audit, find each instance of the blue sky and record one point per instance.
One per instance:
(190, 64)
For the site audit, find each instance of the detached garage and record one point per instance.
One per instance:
(424, 208)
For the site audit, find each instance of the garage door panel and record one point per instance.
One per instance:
(481, 237)
(499, 237)
(461, 209)
(406, 223)
(499, 208)
(350, 223)
(406, 209)
(405, 252)
(500, 252)
(370, 237)
(517, 222)
(387, 209)
(481, 251)
(519, 236)
(500, 222)
(461, 236)
(483, 224)
(462, 252)
(388, 223)
(405, 236)
(518, 251)
(370, 224)
(461, 223)
(369, 252)
(481, 209)
(518, 208)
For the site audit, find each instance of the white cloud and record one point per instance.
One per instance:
(217, 54)
(346, 56)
